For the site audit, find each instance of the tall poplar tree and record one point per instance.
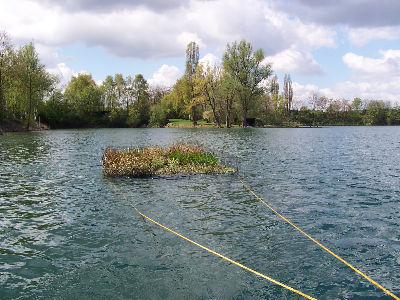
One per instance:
(288, 92)
(192, 61)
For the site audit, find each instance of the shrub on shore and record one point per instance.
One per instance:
(149, 161)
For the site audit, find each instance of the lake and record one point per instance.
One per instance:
(65, 233)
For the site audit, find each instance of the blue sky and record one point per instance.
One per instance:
(341, 49)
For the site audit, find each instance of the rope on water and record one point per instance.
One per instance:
(212, 251)
(315, 241)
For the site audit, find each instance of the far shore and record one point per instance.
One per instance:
(13, 126)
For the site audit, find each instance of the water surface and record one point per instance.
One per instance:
(66, 233)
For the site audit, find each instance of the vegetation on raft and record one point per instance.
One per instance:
(150, 161)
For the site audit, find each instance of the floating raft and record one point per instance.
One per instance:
(150, 161)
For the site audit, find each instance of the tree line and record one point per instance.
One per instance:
(241, 90)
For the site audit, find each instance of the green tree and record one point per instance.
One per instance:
(141, 106)
(14, 92)
(36, 82)
(228, 93)
(271, 104)
(5, 51)
(159, 114)
(207, 87)
(305, 116)
(109, 93)
(375, 113)
(245, 71)
(83, 96)
(393, 117)
(55, 111)
(120, 85)
(176, 100)
(279, 107)
(129, 93)
(334, 112)
(357, 104)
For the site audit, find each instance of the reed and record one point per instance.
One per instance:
(150, 161)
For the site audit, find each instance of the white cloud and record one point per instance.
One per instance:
(372, 78)
(362, 36)
(47, 55)
(295, 61)
(210, 60)
(63, 72)
(184, 38)
(305, 35)
(366, 90)
(165, 76)
(302, 92)
(141, 32)
(388, 65)
(369, 90)
(83, 72)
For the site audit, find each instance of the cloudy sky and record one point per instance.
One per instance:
(341, 49)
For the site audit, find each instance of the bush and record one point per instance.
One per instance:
(158, 116)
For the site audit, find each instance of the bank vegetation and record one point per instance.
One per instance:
(241, 91)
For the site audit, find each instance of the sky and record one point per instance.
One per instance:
(340, 49)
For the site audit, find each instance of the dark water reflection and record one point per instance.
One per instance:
(65, 233)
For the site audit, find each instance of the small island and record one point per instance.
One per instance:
(149, 161)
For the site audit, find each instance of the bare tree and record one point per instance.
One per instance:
(313, 99)
(322, 103)
(273, 88)
(157, 93)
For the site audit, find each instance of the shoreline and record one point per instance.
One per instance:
(13, 126)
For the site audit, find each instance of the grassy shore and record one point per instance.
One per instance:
(150, 161)
(181, 123)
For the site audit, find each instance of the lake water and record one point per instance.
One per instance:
(65, 233)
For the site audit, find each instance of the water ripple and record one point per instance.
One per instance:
(65, 233)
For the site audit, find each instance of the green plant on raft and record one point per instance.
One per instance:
(196, 158)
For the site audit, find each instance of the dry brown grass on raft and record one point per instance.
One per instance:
(149, 161)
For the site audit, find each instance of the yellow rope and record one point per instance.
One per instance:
(318, 243)
(214, 252)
